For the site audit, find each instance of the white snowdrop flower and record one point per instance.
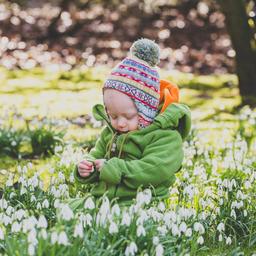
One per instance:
(200, 240)
(38, 206)
(63, 239)
(188, 232)
(175, 230)
(233, 214)
(89, 204)
(159, 250)
(72, 178)
(51, 170)
(33, 198)
(144, 197)
(30, 165)
(228, 240)
(31, 249)
(105, 207)
(143, 216)
(42, 222)
(43, 234)
(20, 214)
(65, 212)
(1, 234)
(12, 195)
(9, 210)
(247, 184)
(57, 203)
(185, 175)
(161, 207)
(29, 223)
(16, 227)
(221, 201)
(88, 219)
(13, 143)
(221, 227)
(174, 191)
(245, 213)
(3, 204)
(115, 210)
(131, 249)
(61, 176)
(141, 231)
(126, 219)
(162, 230)
(183, 227)
(79, 231)
(45, 203)
(32, 237)
(54, 237)
(6, 220)
(155, 240)
(198, 227)
(113, 228)
(9, 182)
(220, 238)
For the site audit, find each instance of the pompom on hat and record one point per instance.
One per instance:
(137, 77)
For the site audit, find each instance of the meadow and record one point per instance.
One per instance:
(47, 127)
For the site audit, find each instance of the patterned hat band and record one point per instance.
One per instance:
(140, 82)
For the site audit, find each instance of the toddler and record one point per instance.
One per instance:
(141, 145)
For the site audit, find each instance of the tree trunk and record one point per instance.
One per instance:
(242, 40)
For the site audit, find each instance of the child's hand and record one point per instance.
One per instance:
(85, 168)
(99, 163)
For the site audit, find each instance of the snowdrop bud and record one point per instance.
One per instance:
(54, 237)
(1, 234)
(245, 213)
(220, 238)
(200, 240)
(233, 214)
(89, 204)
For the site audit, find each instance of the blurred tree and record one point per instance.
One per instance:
(241, 28)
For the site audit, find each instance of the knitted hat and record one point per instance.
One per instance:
(137, 77)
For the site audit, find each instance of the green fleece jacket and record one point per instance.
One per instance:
(144, 158)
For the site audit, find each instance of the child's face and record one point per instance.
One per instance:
(121, 110)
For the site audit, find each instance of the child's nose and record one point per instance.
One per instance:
(121, 123)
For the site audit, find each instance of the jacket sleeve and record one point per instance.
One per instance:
(160, 160)
(96, 152)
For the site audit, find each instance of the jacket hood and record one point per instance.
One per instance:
(175, 117)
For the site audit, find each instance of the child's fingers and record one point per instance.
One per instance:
(84, 172)
(84, 166)
(85, 162)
